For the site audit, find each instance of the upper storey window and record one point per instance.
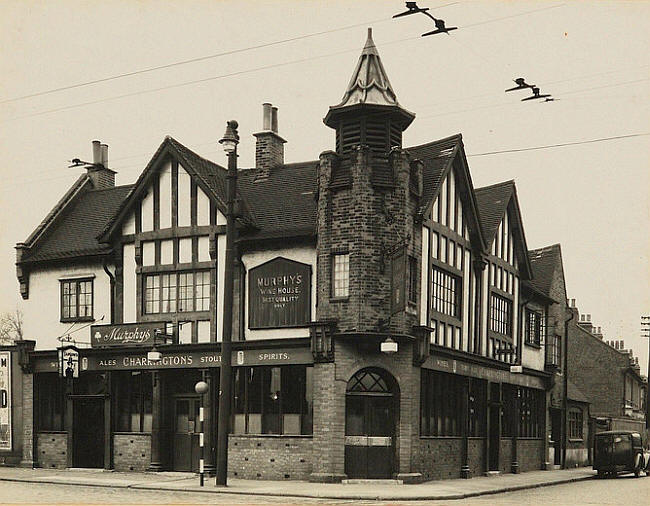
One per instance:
(177, 292)
(500, 315)
(534, 327)
(446, 292)
(340, 275)
(77, 300)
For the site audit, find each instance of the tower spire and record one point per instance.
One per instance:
(369, 99)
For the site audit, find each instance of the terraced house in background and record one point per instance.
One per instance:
(389, 318)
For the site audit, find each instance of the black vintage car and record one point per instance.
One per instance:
(620, 452)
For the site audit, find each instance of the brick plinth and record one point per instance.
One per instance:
(270, 457)
(52, 450)
(131, 452)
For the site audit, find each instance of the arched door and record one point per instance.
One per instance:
(371, 405)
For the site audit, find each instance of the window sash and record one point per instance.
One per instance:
(77, 299)
(273, 400)
(500, 315)
(341, 275)
(177, 292)
(445, 292)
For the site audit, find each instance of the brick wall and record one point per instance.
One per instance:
(131, 452)
(367, 222)
(27, 420)
(476, 456)
(597, 370)
(530, 454)
(505, 455)
(270, 457)
(51, 448)
(440, 458)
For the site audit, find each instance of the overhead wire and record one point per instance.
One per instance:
(559, 145)
(254, 69)
(202, 58)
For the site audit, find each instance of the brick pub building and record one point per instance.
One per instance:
(387, 319)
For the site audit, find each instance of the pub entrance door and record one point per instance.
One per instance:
(371, 404)
(556, 435)
(495, 409)
(186, 433)
(88, 431)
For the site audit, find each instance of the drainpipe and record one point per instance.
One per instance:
(111, 277)
(566, 388)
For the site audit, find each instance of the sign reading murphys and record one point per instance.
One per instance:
(279, 294)
(5, 400)
(130, 334)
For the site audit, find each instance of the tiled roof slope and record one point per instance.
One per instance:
(74, 232)
(492, 203)
(575, 394)
(544, 262)
(284, 204)
(436, 157)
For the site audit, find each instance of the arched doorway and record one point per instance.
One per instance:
(371, 407)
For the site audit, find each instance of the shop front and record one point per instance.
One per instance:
(123, 411)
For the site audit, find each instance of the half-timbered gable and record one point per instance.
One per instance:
(451, 241)
(508, 264)
(169, 238)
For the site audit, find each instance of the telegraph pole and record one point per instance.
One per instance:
(645, 332)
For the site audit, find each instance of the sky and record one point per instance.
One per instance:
(129, 72)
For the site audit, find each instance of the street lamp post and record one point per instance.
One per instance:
(229, 142)
(201, 388)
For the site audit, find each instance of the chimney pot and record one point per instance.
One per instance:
(274, 119)
(573, 303)
(588, 317)
(97, 152)
(104, 159)
(266, 118)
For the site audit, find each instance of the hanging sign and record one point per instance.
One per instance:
(69, 362)
(279, 294)
(129, 334)
(5, 400)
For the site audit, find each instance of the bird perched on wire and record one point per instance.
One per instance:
(521, 85)
(440, 27)
(536, 95)
(412, 8)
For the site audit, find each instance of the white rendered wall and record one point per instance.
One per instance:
(129, 283)
(165, 184)
(42, 311)
(306, 255)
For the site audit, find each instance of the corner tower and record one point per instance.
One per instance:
(368, 191)
(369, 112)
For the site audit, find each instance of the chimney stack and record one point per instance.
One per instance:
(269, 148)
(101, 176)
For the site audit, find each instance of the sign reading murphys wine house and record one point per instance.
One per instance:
(279, 294)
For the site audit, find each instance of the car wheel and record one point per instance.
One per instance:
(638, 465)
(601, 475)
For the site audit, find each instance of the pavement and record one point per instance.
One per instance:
(384, 490)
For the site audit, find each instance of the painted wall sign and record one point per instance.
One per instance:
(5, 400)
(129, 334)
(279, 294)
(179, 359)
(479, 371)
